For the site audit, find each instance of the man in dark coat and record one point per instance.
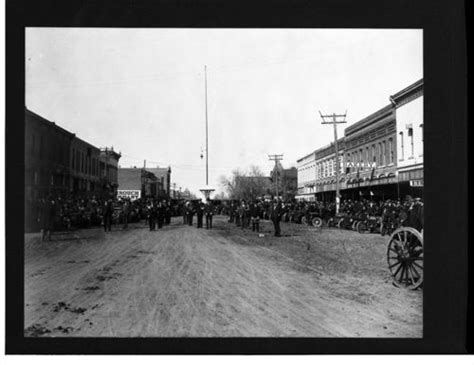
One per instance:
(255, 216)
(190, 213)
(200, 213)
(275, 216)
(160, 214)
(151, 215)
(108, 210)
(209, 212)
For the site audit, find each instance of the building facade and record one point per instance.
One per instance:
(306, 177)
(108, 170)
(371, 156)
(325, 162)
(47, 154)
(408, 104)
(284, 181)
(84, 167)
(163, 176)
(381, 155)
(132, 180)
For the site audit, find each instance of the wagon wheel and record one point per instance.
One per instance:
(354, 224)
(361, 227)
(317, 222)
(339, 223)
(405, 258)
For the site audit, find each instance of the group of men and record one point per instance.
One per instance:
(158, 213)
(244, 213)
(201, 209)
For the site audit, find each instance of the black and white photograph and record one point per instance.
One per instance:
(218, 183)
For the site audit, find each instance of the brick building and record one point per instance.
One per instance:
(84, 163)
(370, 156)
(163, 175)
(47, 154)
(108, 170)
(135, 179)
(381, 155)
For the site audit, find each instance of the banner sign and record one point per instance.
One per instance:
(418, 183)
(130, 194)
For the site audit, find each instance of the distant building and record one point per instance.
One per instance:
(408, 105)
(108, 170)
(326, 170)
(47, 154)
(163, 175)
(84, 163)
(133, 180)
(306, 177)
(284, 181)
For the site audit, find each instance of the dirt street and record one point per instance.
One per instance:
(188, 282)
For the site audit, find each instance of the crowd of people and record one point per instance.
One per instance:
(51, 213)
(392, 213)
(64, 213)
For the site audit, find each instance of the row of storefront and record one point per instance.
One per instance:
(380, 157)
(58, 163)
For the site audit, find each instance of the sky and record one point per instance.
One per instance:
(142, 90)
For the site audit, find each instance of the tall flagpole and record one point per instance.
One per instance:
(207, 142)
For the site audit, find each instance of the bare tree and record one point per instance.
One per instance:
(246, 186)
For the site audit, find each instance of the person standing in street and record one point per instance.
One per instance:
(200, 213)
(47, 218)
(151, 215)
(160, 214)
(275, 216)
(126, 213)
(255, 217)
(209, 213)
(190, 213)
(108, 210)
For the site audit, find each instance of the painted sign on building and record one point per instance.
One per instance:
(129, 194)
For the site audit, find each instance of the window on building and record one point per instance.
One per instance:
(402, 147)
(384, 153)
(390, 150)
(422, 134)
(367, 159)
(412, 145)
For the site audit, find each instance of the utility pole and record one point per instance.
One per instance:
(334, 122)
(276, 158)
(207, 144)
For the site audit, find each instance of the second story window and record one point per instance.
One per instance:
(412, 145)
(402, 147)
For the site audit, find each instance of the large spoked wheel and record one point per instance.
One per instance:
(405, 258)
(361, 227)
(317, 222)
(340, 223)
